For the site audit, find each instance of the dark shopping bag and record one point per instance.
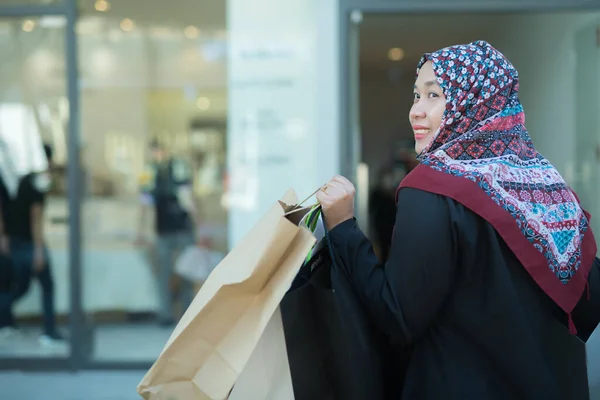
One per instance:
(334, 351)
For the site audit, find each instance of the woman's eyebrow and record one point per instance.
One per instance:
(428, 84)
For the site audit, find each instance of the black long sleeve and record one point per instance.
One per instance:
(479, 325)
(405, 295)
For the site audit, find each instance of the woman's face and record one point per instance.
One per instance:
(428, 107)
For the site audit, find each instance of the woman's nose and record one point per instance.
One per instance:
(417, 112)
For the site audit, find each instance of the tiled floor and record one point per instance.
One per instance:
(96, 385)
(131, 342)
(136, 342)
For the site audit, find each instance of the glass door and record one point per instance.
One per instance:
(34, 116)
(154, 104)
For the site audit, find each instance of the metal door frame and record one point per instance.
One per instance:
(76, 359)
(81, 334)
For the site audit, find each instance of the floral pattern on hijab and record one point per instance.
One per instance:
(483, 139)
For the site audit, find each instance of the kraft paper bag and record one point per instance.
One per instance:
(267, 374)
(216, 336)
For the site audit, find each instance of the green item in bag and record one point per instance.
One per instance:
(311, 221)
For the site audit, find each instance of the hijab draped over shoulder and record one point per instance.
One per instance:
(482, 156)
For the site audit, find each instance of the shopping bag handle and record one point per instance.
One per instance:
(311, 195)
(298, 206)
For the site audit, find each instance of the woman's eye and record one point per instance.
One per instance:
(432, 95)
(416, 96)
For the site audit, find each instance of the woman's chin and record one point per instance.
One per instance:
(422, 143)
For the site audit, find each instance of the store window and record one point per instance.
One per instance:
(153, 104)
(34, 117)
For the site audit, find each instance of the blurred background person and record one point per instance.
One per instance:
(23, 217)
(382, 200)
(167, 190)
(382, 204)
(9, 181)
(5, 265)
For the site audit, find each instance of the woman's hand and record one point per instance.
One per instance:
(337, 201)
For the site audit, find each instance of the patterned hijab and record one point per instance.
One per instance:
(483, 157)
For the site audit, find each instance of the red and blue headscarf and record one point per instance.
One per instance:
(483, 157)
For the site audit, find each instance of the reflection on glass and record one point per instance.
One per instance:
(33, 118)
(153, 101)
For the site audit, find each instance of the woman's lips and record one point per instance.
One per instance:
(421, 133)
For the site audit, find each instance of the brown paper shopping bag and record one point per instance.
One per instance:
(267, 374)
(216, 336)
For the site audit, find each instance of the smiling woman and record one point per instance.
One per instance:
(492, 273)
(428, 108)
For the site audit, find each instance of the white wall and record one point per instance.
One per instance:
(283, 110)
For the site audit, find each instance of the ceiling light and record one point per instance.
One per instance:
(127, 25)
(191, 32)
(396, 54)
(28, 25)
(102, 5)
(203, 103)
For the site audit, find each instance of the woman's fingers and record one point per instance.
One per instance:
(343, 180)
(337, 201)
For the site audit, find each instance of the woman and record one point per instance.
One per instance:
(492, 273)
